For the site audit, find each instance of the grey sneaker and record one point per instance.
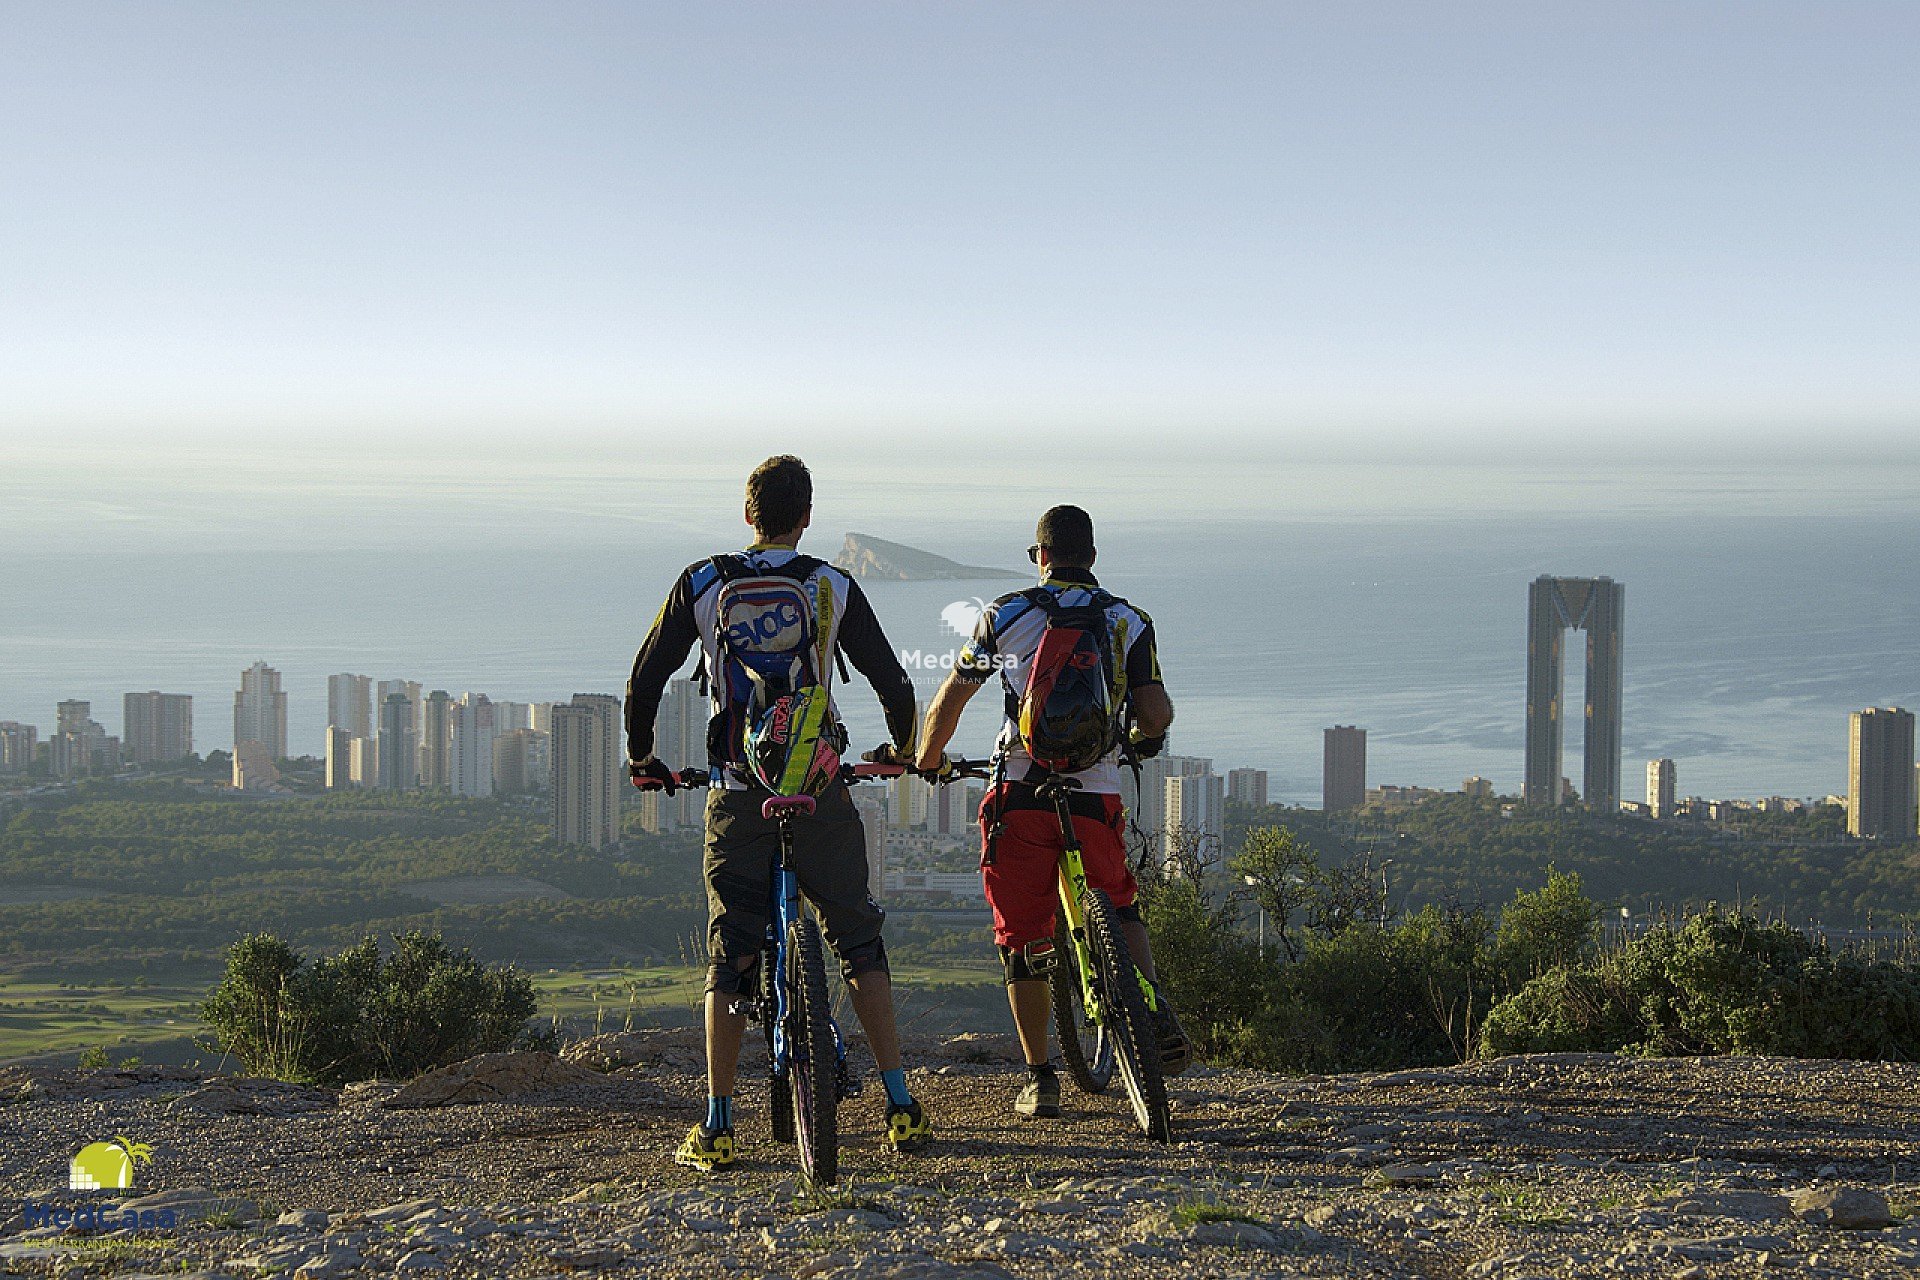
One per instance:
(1040, 1097)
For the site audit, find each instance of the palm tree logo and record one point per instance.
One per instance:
(107, 1166)
(962, 616)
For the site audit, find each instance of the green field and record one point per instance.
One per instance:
(161, 1021)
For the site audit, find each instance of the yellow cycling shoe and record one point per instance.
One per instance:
(908, 1128)
(706, 1151)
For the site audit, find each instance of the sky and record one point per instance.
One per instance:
(1359, 231)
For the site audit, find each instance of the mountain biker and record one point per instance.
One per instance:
(829, 849)
(1021, 867)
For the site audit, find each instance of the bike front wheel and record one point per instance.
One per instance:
(1086, 1046)
(814, 1062)
(1130, 1022)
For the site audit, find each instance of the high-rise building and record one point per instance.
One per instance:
(1195, 806)
(363, 767)
(158, 726)
(339, 775)
(1880, 773)
(1598, 607)
(1661, 782)
(80, 746)
(436, 742)
(18, 742)
(350, 704)
(473, 735)
(907, 797)
(398, 752)
(1343, 768)
(588, 747)
(1247, 786)
(1477, 788)
(520, 763)
(260, 710)
(540, 717)
(953, 808)
(508, 716)
(680, 742)
(253, 766)
(1148, 804)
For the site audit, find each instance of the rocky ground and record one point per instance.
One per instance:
(530, 1166)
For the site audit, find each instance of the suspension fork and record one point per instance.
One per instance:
(1073, 886)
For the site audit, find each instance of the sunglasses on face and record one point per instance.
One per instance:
(1033, 552)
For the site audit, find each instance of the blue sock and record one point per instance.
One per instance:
(719, 1113)
(896, 1082)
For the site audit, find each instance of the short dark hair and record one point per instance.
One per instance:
(779, 492)
(1067, 534)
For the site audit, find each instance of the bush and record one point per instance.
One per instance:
(359, 1014)
(1721, 983)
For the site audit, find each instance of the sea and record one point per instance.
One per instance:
(1764, 602)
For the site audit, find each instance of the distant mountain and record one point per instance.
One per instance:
(868, 557)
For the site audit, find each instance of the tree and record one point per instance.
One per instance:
(1279, 873)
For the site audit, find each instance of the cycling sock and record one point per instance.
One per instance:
(1041, 1071)
(896, 1082)
(719, 1113)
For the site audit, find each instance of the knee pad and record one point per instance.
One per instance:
(724, 977)
(1130, 913)
(871, 958)
(1033, 962)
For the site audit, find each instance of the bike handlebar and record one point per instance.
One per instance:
(849, 773)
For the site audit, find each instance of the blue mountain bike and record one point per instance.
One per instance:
(807, 1058)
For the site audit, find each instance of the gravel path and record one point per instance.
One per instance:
(1546, 1166)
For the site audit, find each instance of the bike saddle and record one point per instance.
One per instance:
(774, 808)
(1057, 785)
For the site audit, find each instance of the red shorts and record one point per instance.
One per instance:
(1023, 879)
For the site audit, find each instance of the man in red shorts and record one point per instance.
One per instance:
(1022, 870)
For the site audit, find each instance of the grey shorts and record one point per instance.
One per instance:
(830, 858)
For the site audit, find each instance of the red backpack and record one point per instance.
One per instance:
(1069, 714)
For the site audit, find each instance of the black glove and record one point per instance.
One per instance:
(886, 754)
(650, 775)
(1141, 747)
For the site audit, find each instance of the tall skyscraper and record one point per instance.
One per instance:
(1247, 786)
(1149, 803)
(907, 799)
(436, 742)
(363, 768)
(350, 704)
(873, 822)
(253, 766)
(1343, 768)
(521, 763)
(1661, 782)
(18, 742)
(339, 775)
(80, 746)
(398, 752)
(588, 747)
(473, 734)
(158, 726)
(1880, 773)
(680, 742)
(1195, 806)
(260, 710)
(1598, 607)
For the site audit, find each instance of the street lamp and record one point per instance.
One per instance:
(1254, 883)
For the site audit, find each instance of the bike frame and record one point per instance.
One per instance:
(1073, 886)
(786, 911)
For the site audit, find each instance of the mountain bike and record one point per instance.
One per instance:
(806, 1055)
(1103, 1004)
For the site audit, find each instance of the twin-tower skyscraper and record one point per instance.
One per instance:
(1556, 606)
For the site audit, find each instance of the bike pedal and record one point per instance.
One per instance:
(847, 1083)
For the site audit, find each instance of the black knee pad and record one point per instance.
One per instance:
(1129, 913)
(871, 958)
(724, 978)
(1033, 962)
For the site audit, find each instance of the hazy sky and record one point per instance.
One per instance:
(1594, 226)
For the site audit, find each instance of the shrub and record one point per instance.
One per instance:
(1721, 983)
(359, 1014)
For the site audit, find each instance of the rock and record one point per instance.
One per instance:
(1748, 1206)
(303, 1219)
(675, 1048)
(193, 1202)
(493, 1077)
(328, 1262)
(402, 1211)
(1408, 1175)
(419, 1260)
(1843, 1208)
(249, 1097)
(363, 1093)
(1241, 1234)
(919, 1267)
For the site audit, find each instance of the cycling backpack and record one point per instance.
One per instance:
(1069, 714)
(772, 676)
